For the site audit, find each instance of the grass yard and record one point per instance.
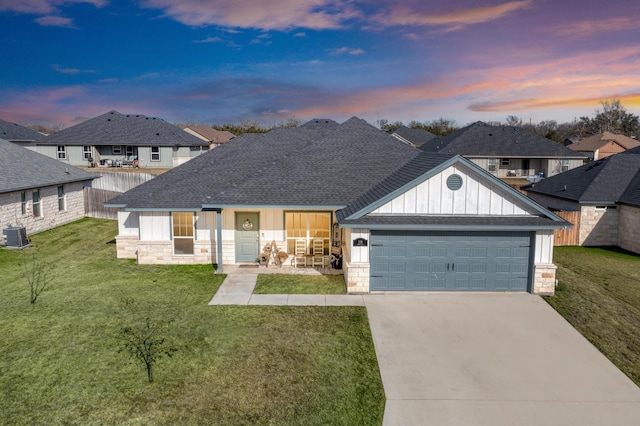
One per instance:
(599, 294)
(300, 284)
(264, 365)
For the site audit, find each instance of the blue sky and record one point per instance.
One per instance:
(222, 61)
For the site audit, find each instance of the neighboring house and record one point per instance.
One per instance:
(18, 134)
(398, 218)
(506, 151)
(602, 145)
(115, 139)
(415, 137)
(209, 134)
(606, 195)
(37, 192)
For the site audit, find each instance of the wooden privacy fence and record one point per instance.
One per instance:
(568, 237)
(94, 203)
(107, 187)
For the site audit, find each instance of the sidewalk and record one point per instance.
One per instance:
(237, 289)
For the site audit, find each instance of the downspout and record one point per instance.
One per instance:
(219, 238)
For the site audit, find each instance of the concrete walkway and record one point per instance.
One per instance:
(237, 289)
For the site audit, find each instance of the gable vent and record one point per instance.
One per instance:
(454, 182)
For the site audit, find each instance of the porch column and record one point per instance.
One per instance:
(219, 238)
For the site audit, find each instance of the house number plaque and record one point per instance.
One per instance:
(359, 242)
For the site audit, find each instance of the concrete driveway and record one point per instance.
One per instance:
(492, 359)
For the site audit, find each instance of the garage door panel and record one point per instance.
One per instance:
(450, 261)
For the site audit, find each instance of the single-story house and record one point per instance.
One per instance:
(415, 137)
(398, 218)
(18, 134)
(37, 192)
(209, 134)
(506, 151)
(605, 192)
(603, 144)
(115, 139)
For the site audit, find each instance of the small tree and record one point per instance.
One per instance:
(143, 335)
(36, 272)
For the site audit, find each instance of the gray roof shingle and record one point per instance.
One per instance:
(483, 140)
(319, 164)
(114, 128)
(604, 181)
(17, 133)
(22, 169)
(418, 137)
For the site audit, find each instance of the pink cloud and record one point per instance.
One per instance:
(42, 7)
(267, 15)
(406, 15)
(71, 71)
(585, 28)
(347, 50)
(55, 21)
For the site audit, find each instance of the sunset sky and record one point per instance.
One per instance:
(222, 61)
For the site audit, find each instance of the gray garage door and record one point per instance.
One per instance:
(456, 261)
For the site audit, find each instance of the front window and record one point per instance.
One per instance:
(62, 152)
(182, 233)
(506, 162)
(61, 199)
(493, 163)
(86, 152)
(565, 165)
(307, 227)
(155, 153)
(37, 210)
(116, 149)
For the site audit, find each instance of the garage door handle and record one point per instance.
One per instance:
(453, 266)
(447, 266)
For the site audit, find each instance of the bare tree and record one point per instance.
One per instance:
(513, 120)
(36, 273)
(142, 335)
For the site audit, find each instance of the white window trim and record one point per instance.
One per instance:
(62, 200)
(192, 238)
(155, 154)
(116, 149)
(37, 205)
(62, 152)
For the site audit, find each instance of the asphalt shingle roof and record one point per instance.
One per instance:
(22, 169)
(484, 140)
(418, 137)
(114, 128)
(16, 132)
(211, 134)
(320, 163)
(595, 142)
(604, 181)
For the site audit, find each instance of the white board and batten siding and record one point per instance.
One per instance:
(155, 226)
(544, 247)
(477, 196)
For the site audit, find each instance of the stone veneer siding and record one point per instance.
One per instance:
(598, 227)
(629, 228)
(544, 281)
(11, 213)
(161, 252)
(356, 275)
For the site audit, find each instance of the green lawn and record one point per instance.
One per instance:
(60, 361)
(599, 294)
(300, 284)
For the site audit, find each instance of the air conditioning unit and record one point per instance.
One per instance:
(15, 237)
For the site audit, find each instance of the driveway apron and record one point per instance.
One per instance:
(492, 359)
